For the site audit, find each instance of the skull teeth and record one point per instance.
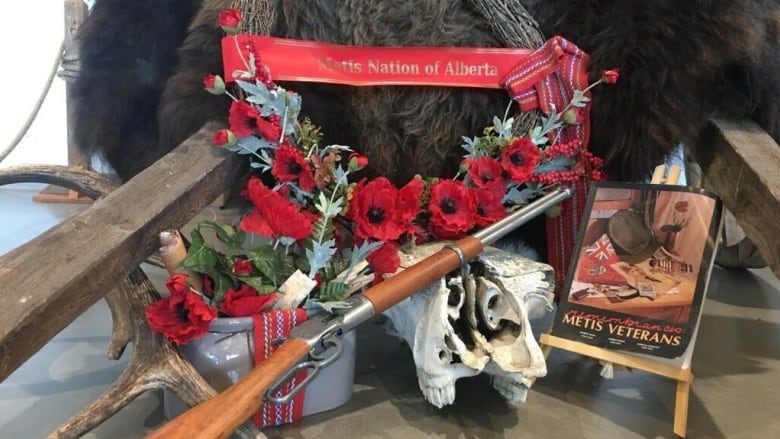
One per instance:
(439, 396)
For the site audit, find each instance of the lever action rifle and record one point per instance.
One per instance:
(309, 343)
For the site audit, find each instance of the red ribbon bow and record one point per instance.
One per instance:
(547, 80)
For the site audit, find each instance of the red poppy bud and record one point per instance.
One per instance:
(357, 161)
(224, 137)
(573, 116)
(464, 166)
(610, 76)
(214, 84)
(229, 20)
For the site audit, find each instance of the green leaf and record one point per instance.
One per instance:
(226, 233)
(333, 291)
(258, 283)
(221, 284)
(319, 255)
(579, 99)
(267, 260)
(360, 253)
(201, 257)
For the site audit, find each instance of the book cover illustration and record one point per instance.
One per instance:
(639, 279)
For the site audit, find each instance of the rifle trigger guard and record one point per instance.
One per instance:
(331, 350)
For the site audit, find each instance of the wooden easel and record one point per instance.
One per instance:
(75, 14)
(681, 374)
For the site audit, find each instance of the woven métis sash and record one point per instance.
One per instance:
(268, 327)
(547, 80)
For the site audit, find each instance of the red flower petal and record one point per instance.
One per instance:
(378, 210)
(290, 165)
(452, 209)
(243, 118)
(243, 267)
(519, 159)
(177, 283)
(489, 207)
(246, 302)
(486, 172)
(384, 260)
(274, 214)
(180, 317)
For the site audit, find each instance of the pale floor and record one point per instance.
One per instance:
(735, 394)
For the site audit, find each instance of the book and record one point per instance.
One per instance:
(639, 277)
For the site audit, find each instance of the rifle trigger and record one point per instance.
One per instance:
(333, 347)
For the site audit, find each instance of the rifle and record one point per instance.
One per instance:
(309, 343)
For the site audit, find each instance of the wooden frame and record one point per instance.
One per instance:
(743, 168)
(72, 265)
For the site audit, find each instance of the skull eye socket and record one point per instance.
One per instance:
(449, 343)
(454, 297)
(493, 302)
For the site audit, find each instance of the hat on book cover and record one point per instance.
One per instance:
(632, 239)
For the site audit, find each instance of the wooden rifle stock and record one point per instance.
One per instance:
(220, 416)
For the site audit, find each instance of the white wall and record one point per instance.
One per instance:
(29, 40)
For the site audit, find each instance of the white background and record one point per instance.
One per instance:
(30, 37)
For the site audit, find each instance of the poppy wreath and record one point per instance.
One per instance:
(343, 232)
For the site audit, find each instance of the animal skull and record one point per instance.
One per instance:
(461, 326)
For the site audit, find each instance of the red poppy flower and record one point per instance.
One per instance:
(380, 211)
(274, 215)
(224, 137)
(214, 84)
(181, 316)
(243, 267)
(269, 129)
(229, 19)
(410, 199)
(177, 283)
(489, 206)
(452, 209)
(243, 118)
(246, 302)
(384, 260)
(485, 172)
(208, 286)
(519, 159)
(290, 165)
(357, 161)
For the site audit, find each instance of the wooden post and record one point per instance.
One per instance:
(58, 275)
(742, 165)
(75, 14)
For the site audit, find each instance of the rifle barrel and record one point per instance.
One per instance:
(498, 230)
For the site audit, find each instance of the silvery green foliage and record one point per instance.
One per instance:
(319, 255)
